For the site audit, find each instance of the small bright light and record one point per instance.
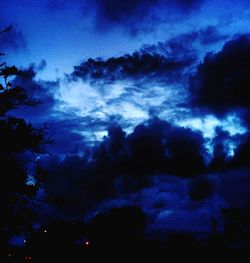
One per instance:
(9, 255)
(87, 243)
(24, 241)
(30, 258)
(45, 231)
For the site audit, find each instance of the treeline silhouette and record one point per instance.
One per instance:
(20, 141)
(120, 234)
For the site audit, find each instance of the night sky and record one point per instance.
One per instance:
(147, 103)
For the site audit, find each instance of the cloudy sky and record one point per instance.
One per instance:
(157, 90)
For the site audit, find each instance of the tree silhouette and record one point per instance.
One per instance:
(19, 143)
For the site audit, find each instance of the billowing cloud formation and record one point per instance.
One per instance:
(125, 161)
(128, 88)
(139, 65)
(153, 147)
(150, 82)
(75, 189)
(122, 164)
(165, 61)
(222, 81)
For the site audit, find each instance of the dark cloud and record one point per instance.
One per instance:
(147, 168)
(121, 164)
(138, 15)
(65, 184)
(39, 67)
(235, 187)
(138, 66)
(220, 151)
(222, 159)
(165, 61)
(166, 201)
(152, 148)
(11, 40)
(210, 35)
(128, 14)
(222, 81)
(65, 135)
(42, 91)
(134, 16)
(185, 45)
(74, 185)
(241, 157)
(205, 36)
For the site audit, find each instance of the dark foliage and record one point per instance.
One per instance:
(17, 139)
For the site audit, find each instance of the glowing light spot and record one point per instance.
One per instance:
(45, 231)
(87, 243)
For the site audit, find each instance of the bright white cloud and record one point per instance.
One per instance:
(208, 124)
